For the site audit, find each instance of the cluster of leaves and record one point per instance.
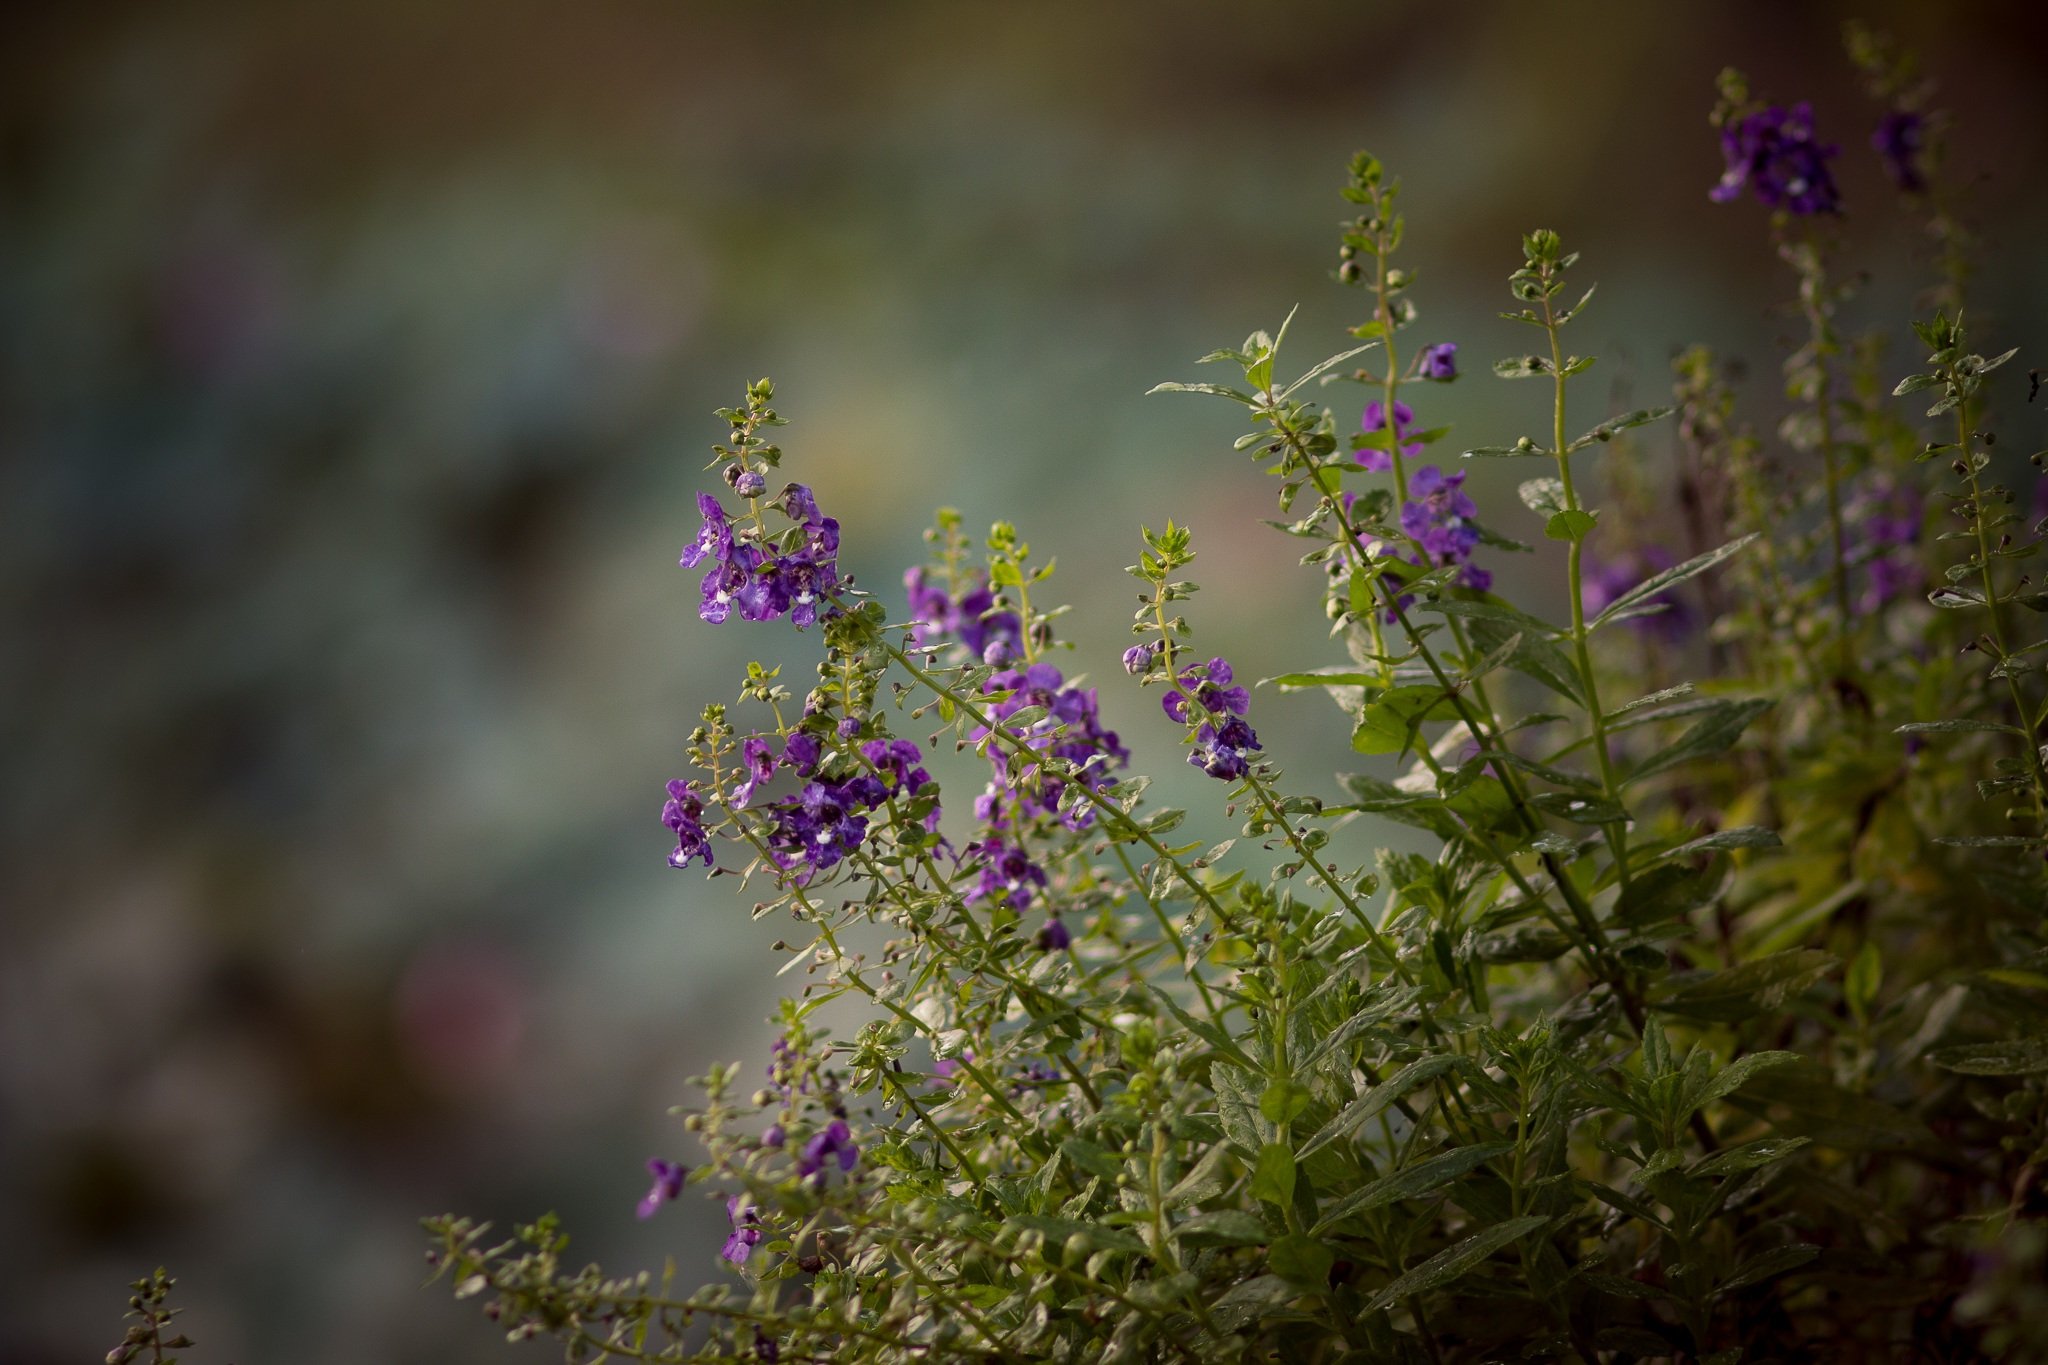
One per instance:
(1714, 1030)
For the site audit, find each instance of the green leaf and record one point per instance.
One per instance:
(1954, 727)
(1860, 982)
(1585, 810)
(1449, 1264)
(1218, 390)
(1714, 734)
(1956, 599)
(1412, 1181)
(1607, 429)
(1657, 583)
(1284, 1101)
(1749, 989)
(1767, 1265)
(1913, 383)
(1325, 365)
(1224, 1227)
(1749, 1156)
(1097, 1161)
(1334, 678)
(1569, 525)
(2018, 1057)
(1273, 1177)
(1521, 367)
(1544, 497)
(1733, 1077)
(1364, 1109)
(1742, 836)
(1301, 1260)
(1066, 1229)
(1390, 720)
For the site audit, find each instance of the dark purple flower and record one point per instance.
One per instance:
(684, 814)
(756, 577)
(746, 1230)
(1439, 362)
(835, 1140)
(668, 1186)
(1900, 138)
(714, 538)
(1224, 742)
(1375, 419)
(801, 752)
(1774, 152)
(1054, 936)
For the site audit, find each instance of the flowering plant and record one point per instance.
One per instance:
(1712, 1029)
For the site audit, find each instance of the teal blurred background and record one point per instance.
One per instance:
(356, 368)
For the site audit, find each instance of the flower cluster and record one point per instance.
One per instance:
(750, 572)
(1439, 518)
(987, 631)
(834, 1140)
(1204, 696)
(1375, 419)
(684, 815)
(827, 819)
(1774, 152)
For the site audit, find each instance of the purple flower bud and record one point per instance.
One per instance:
(775, 1136)
(749, 484)
(1440, 362)
(1138, 658)
(1054, 936)
(668, 1185)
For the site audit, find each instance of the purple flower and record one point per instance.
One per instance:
(775, 1136)
(992, 635)
(1900, 138)
(668, 1186)
(1774, 152)
(746, 1230)
(684, 814)
(1008, 876)
(801, 752)
(760, 768)
(1054, 936)
(754, 575)
(835, 1140)
(748, 483)
(1439, 362)
(1375, 419)
(944, 1068)
(1138, 658)
(1439, 518)
(1225, 740)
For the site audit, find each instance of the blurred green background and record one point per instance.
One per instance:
(356, 364)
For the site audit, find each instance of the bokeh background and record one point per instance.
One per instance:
(356, 368)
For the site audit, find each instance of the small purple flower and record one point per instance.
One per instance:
(756, 577)
(668, 1186)
(1440, 519)
(801, 752)
(1224, 742)
(1138, 658)
(760, 769)
(714, 538)
(944, 1069)
(746, 1230)
(1900, 138)
(1054, 936)
(775, 1136)
(684, 814)
(835, 1140)
(748, 483)
(1439, 362)
(1774, 152)
(1375, 419)
(1009, 876)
